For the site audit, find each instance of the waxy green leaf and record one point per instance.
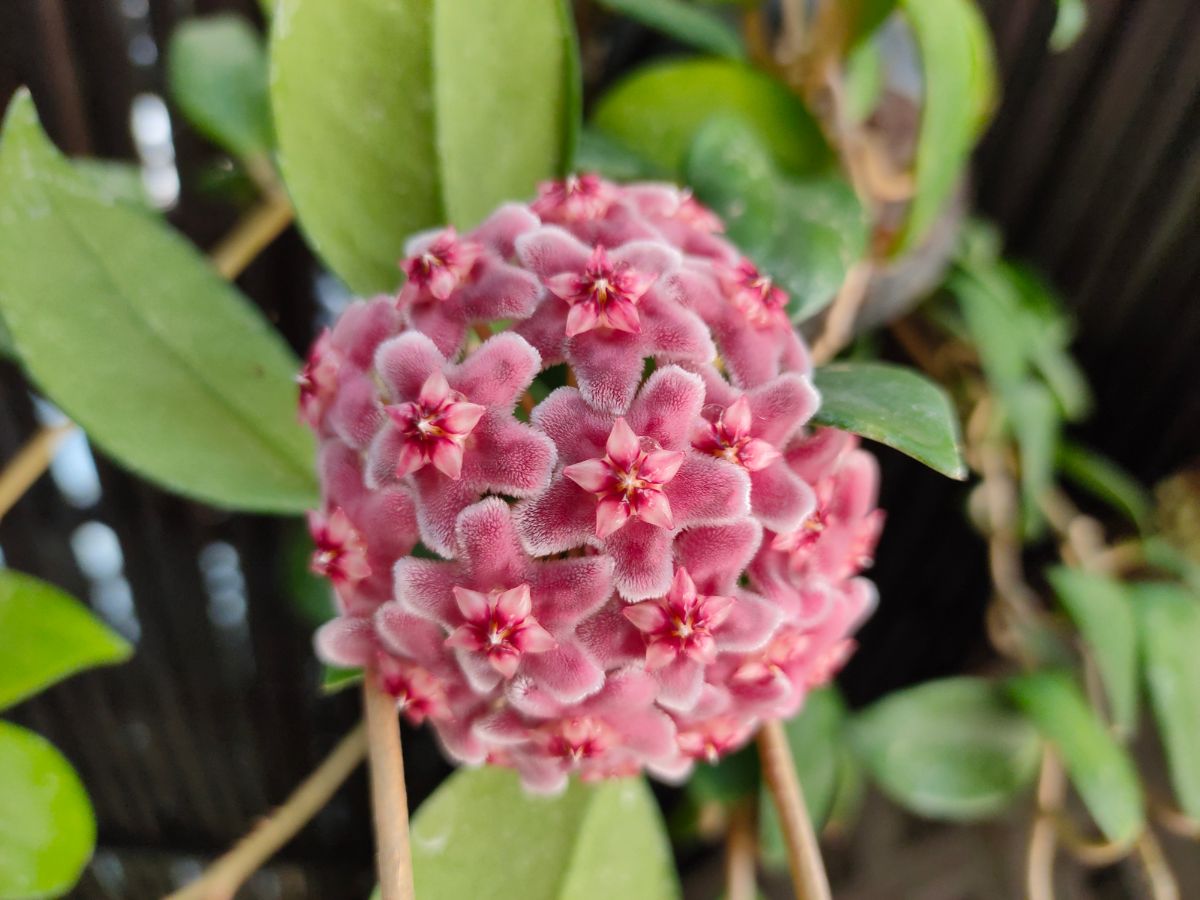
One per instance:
(1168, 618)
(685, 22)
(46, 636)
(217, 72)
(47, 828)
(658, 110)
(1105, 480)
(895, 406)
(1099, 767)
(132, 333)
(949, 749)
(1100, 606)
(410, 114)
(482, 835)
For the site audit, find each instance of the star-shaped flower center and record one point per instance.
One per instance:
(628, 480)
(712, 739)
(500, 625)
(578, 739)
(576, 198)
(757, 296)
(341, 552)
(679, 624)
(729, 437)
(434, 428)
(419, 695)
(781, 652)
(439, 269)
(603, 295)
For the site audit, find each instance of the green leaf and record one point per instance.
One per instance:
(949, 749)
(1099, 767)
(864, 80)
(1100, 607)
(959, 76)
(598, 152)
(806, 233)
(407, 114)
(46, 636)
(123, 325)
(334, 679)
(47, 828)
(1169, 625)
(481, 835)
(816, 738)
(684, 22)
(1068, 24)
(1105, 480)
(1034, 418)
(730, 781)
(658, 110)
(895, 406)
(217, 72)
(865, 17)
(113, 181)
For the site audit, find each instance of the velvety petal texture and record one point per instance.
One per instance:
(573, 511)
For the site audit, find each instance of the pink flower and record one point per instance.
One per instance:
(680, 624)
(603, 295)
(318, 381)
(438, 268)
(632, 574)
(434, 427)
(341, 553)
(499, 625)
(628, 479)
(574, 198)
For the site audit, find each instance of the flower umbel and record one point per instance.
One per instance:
(628, 480)
(574, 510)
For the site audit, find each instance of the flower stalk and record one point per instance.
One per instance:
(389, 798)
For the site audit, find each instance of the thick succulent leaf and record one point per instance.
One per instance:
(950, 749)
(47, 828)
(685, 22)
(597, 152)
(1099, 767)
(895, 406)
(804, 232)
(46, 636)
(412, 113)
(1105, 480)
(480, 835)
(816, 738)
(960, 85)
(1036, 423)
(335, 678)
(658, 110)
(131, 332)
(865, 16)
(1169, 624)
(1101, 607)
(217, 72)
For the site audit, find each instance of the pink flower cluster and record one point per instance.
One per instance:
(636, 571)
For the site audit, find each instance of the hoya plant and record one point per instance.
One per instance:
(582, 461)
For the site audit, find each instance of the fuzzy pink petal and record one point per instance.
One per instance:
(652, 258)
(405, 362)
(508, 457)
(362, 327)
(680, 682)
(708, 491)
(780, 499)
(423, 589)
(611, 639)
(566, 673)
(672, 333)
(498, 371)
(489, 546)
(715, 555)
(608, 366)
(667, 406)
(444, 323)
(577, 429)
(781, 406)
(440, 500)
(749, 624)
(499, 291)
(355, 414)
(549, 250)
(500, 230)
(346, 641)
(562, 518)
(642, 560)
(567, 590)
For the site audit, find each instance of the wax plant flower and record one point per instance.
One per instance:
(633, 573)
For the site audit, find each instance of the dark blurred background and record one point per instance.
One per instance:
(1091, 168)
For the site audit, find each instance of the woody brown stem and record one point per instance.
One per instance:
(389, 798)
(29, 464)
(804, 854)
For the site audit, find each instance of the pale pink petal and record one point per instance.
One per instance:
(346, 642)
(498, 371)
(566, 672)
(780, 499)
(649, 616)
(708, 491)
(515, 603)
(655, 509)
(549, 250)
(661, 465)
(642, 560)
(611, 516)
(472, 604)
(447, 458)
(488, 542)
(622, 445)
(593, 475)
(562, 518)
(405, 362)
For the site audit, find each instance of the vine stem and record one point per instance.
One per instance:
(389, 798)
(29, 463)
(740, 875)
(252, 234)
(222, 879)
(804, 854)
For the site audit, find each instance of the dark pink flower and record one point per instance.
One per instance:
(681, 624)
(341, 553)
(603, 295)
(574, 198)
(754, 295)
(438, 268)
(499, 625)
(434, 427)
(628, 480)
(729, 437)
(714, 738)
(318, 381)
